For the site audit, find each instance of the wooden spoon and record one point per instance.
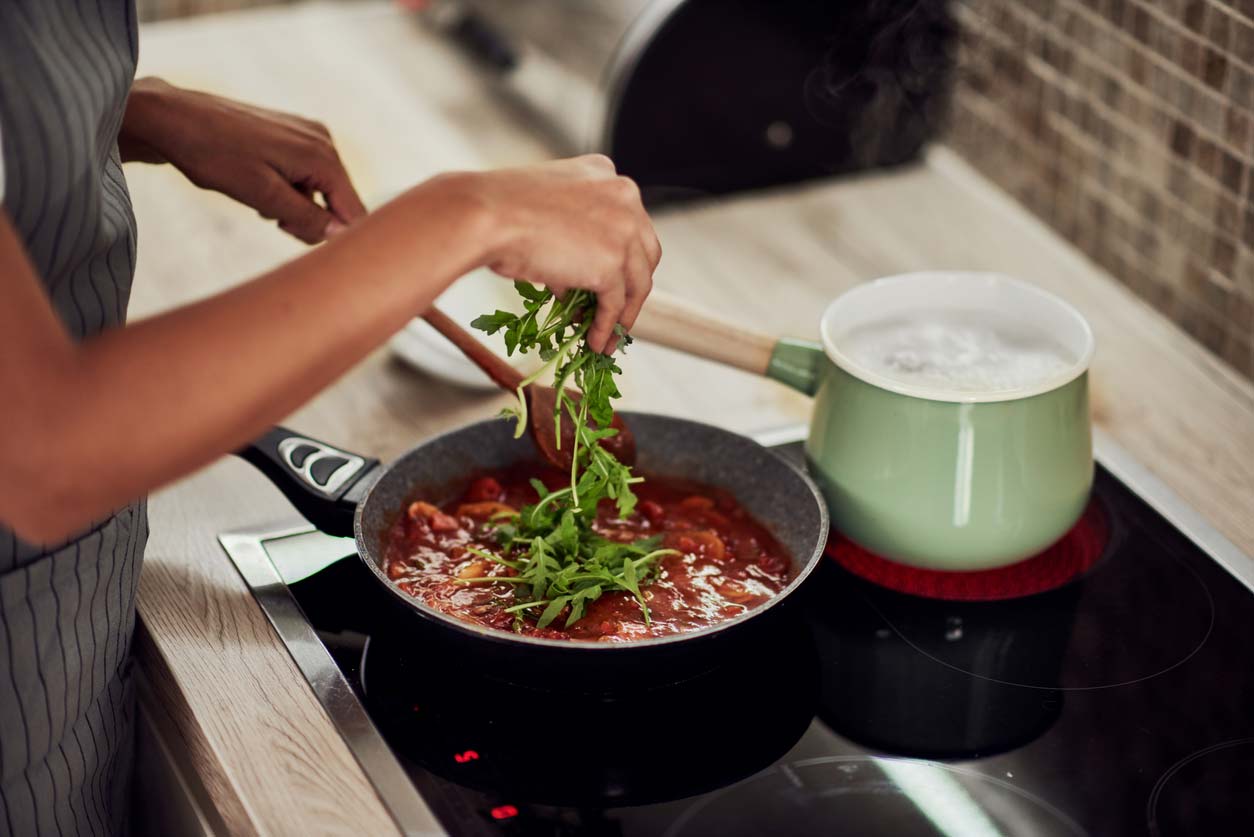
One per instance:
(541, 400)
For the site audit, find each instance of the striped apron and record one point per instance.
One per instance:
(67, 611)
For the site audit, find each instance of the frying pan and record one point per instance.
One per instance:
(343, 493)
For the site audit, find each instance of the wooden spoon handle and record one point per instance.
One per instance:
(504, 375)
(677, 324)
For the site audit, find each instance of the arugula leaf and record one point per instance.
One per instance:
(551, 612)
(530, 292)
(580, 600)
(492, 323)
(561, 561)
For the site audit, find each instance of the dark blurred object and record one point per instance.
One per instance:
(702, 97)
(994, 684)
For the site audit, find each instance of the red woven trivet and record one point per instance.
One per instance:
(1075, 552)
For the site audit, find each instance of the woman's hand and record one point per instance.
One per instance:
(571, 224)
(221, 369)
(273, 162)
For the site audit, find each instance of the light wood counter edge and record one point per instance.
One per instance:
(267, 756)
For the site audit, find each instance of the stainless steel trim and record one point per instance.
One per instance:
(785, 435)
(1162, 499)
(246, 549)
(1139, 479)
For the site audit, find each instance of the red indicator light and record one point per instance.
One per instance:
(504, 812)
(417, 708)
(468, 755)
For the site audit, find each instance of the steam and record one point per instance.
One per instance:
(886, 91)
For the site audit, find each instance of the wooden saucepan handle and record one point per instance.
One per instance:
(677, 324)
(504, 375)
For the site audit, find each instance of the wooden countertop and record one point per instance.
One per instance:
(403, 106)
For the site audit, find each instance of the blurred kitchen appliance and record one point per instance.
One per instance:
(702, 97)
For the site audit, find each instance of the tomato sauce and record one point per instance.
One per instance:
(728, 562)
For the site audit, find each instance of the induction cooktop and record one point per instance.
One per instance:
(1120, 702)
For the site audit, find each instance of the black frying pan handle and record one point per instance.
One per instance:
(324, 483)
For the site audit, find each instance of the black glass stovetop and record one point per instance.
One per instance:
(1119, 704)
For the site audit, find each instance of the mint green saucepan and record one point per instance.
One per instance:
(945, 478)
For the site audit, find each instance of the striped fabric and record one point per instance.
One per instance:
(66, 706)
(67, 612)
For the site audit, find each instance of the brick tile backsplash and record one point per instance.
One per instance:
(1128, 126)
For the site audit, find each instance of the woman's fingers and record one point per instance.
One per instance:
(572, 224)
(639, 281)
(652, 248)
(610, 301)
(316, 166)
(338, 191)
(289, 198)
(598, 165)
(296, 212)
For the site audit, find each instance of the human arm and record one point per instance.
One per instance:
(95, 424)
(277, 163)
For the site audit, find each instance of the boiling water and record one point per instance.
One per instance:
(957, 352)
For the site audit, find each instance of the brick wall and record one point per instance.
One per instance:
(1128, 126)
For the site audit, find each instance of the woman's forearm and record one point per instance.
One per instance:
(206, 378)
(94, 425)
(143, 105)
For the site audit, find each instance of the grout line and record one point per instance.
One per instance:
(1146, 94)
(1078, 136)
(1128, 252)
(1096, 60)
(1132, 129)
(1200, 39)
(1235, 12)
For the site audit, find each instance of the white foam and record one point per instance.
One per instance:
(956, 351)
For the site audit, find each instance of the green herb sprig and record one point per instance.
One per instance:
(560, 561)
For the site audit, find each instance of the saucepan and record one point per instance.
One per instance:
(936, 477)
(344, 494)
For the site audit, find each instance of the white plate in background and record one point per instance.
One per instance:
(422, 347)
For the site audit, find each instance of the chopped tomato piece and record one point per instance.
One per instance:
(703, 542)
(484, 488)
(473, 569)
(653, 512)
(484, 510)
(441, 522)
(420, 510)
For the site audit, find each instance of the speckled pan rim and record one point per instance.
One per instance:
(366, 554)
